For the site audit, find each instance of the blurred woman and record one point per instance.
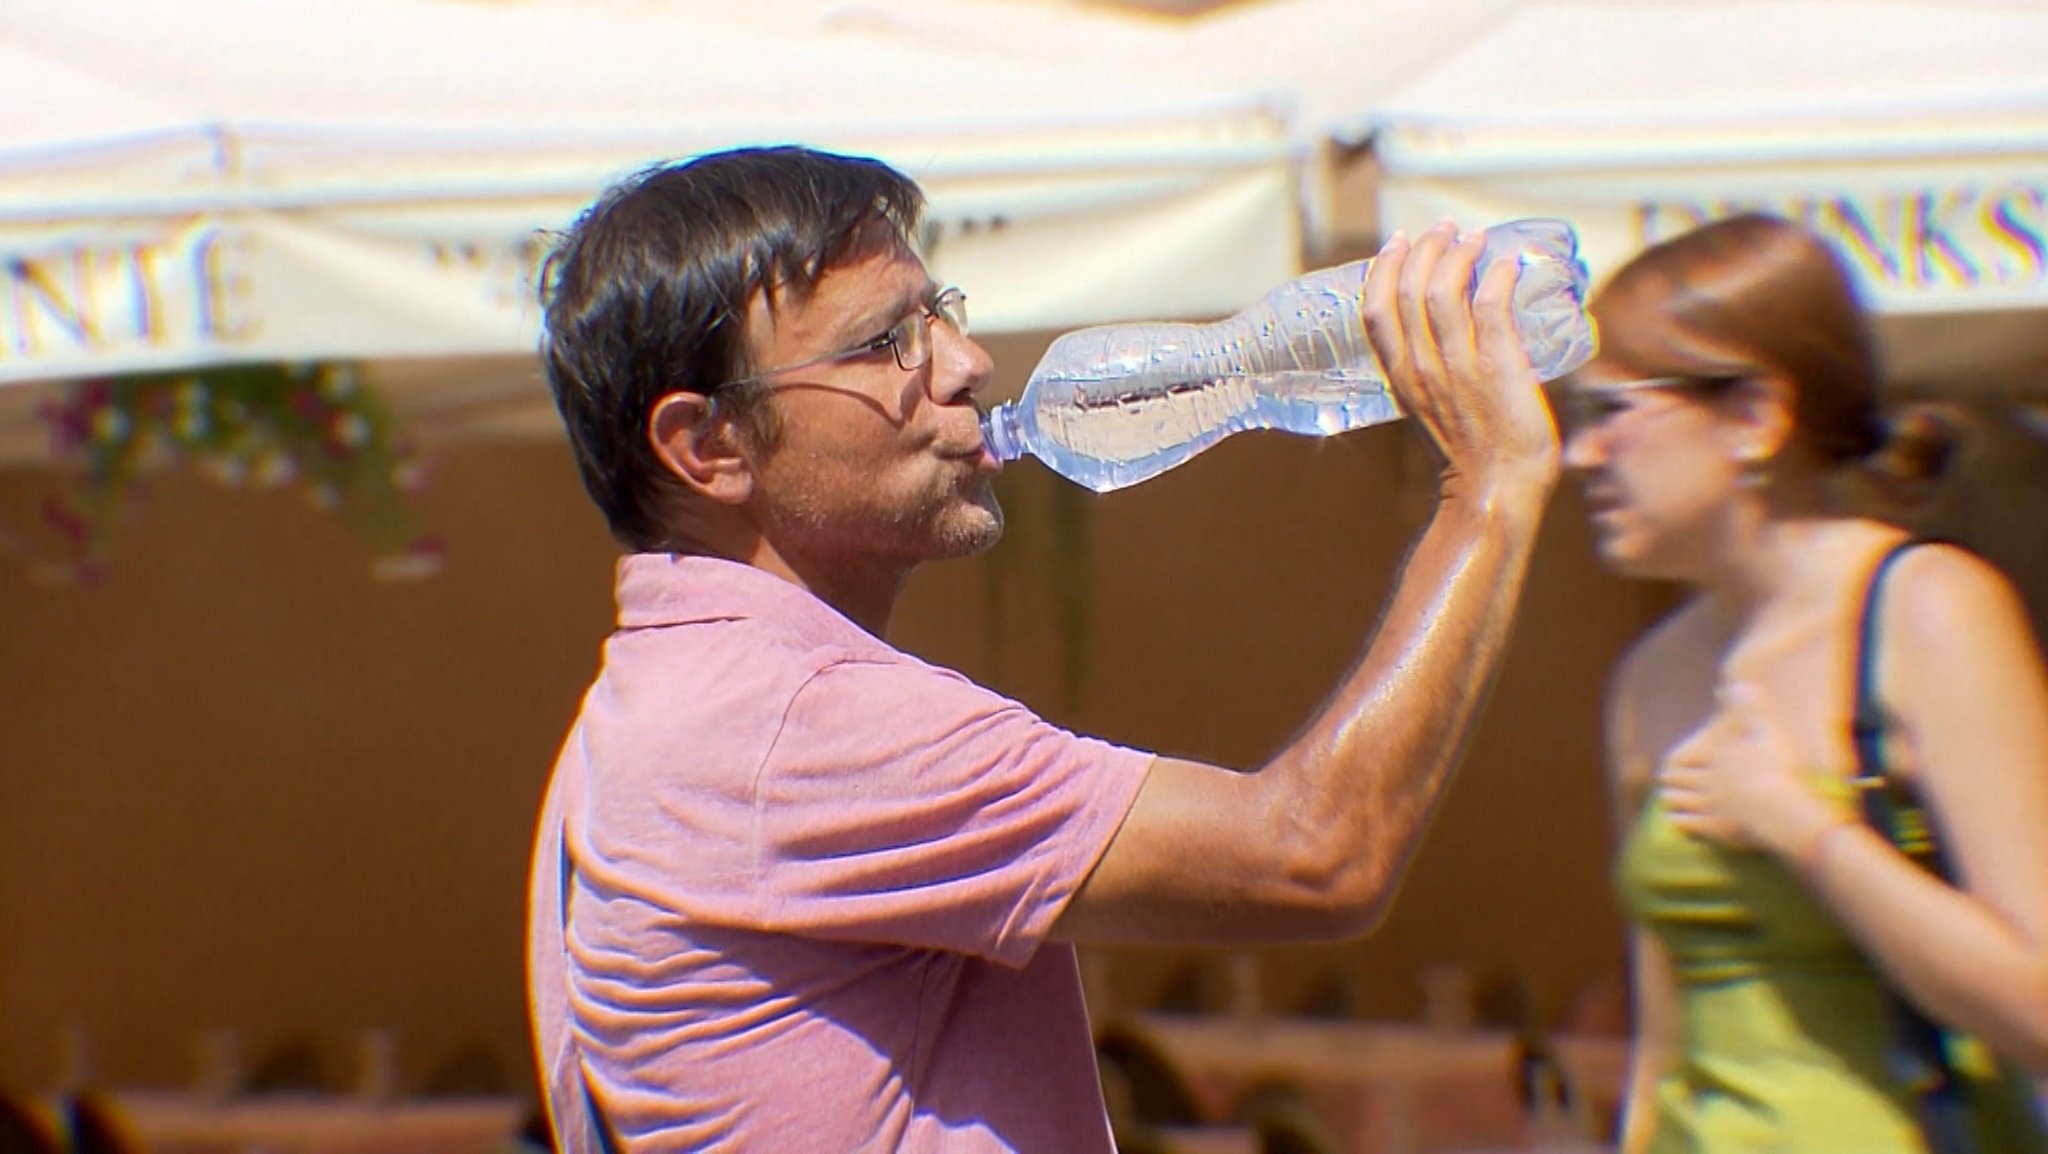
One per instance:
(1728, 438)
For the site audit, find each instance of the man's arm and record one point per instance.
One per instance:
(1313, 844)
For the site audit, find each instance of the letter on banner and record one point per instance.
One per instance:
(68, 305)
(1968, 244)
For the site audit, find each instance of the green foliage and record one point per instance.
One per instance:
(315, 428)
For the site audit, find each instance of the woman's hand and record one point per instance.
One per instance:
(1741, 782)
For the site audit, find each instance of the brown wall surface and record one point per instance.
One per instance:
(245, 786)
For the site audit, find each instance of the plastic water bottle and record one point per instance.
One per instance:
(1118, 404)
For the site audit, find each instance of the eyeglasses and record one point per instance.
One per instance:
(910, 339)
(1585, 407)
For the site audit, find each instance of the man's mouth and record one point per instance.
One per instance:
(975, 454)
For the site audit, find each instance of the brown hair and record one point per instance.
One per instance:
(1756, 293)
(647, 295)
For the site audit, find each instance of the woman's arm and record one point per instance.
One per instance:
(1960, 672)
(1655, 1039)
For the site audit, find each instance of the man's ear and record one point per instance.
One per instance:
(1764, 404)
(697, 444)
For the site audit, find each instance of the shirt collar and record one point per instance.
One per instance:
(656, 589)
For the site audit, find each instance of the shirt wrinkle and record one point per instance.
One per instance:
(761, 768)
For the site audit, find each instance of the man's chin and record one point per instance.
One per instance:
(975, 528)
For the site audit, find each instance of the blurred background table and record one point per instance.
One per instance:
(175, 1122)
(1384, 1088)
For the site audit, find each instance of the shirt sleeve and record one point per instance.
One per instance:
(904, 804)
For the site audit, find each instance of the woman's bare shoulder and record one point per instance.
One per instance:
(1950, 620)
(1940, 592)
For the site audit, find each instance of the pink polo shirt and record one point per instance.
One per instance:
(807, 882)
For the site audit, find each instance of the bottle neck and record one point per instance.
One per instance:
(1002, 432)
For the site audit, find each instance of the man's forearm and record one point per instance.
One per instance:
(1366, 775)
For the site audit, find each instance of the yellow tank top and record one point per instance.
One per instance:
(1783, 1023)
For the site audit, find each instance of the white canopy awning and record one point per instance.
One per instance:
(1914, 133)
(192, 180)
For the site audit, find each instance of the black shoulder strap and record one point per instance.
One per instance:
(1919, 1054)
(1882, 794)
(1866, 723)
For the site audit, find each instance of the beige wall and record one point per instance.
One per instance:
(245, 786)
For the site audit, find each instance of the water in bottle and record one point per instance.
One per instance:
(1114, 405)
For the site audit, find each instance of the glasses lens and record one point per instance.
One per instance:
(952, 308)
(912, 338)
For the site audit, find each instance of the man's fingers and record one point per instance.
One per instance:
(1493, 316)
(1416, 274)
(1448, 303)
(1382, 311)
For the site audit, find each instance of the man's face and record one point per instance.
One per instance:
(875, 463)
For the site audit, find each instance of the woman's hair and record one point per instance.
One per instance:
(1757, 293)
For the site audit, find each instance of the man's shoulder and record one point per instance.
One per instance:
(722, 685)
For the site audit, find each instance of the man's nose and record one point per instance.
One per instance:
(960, 366)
